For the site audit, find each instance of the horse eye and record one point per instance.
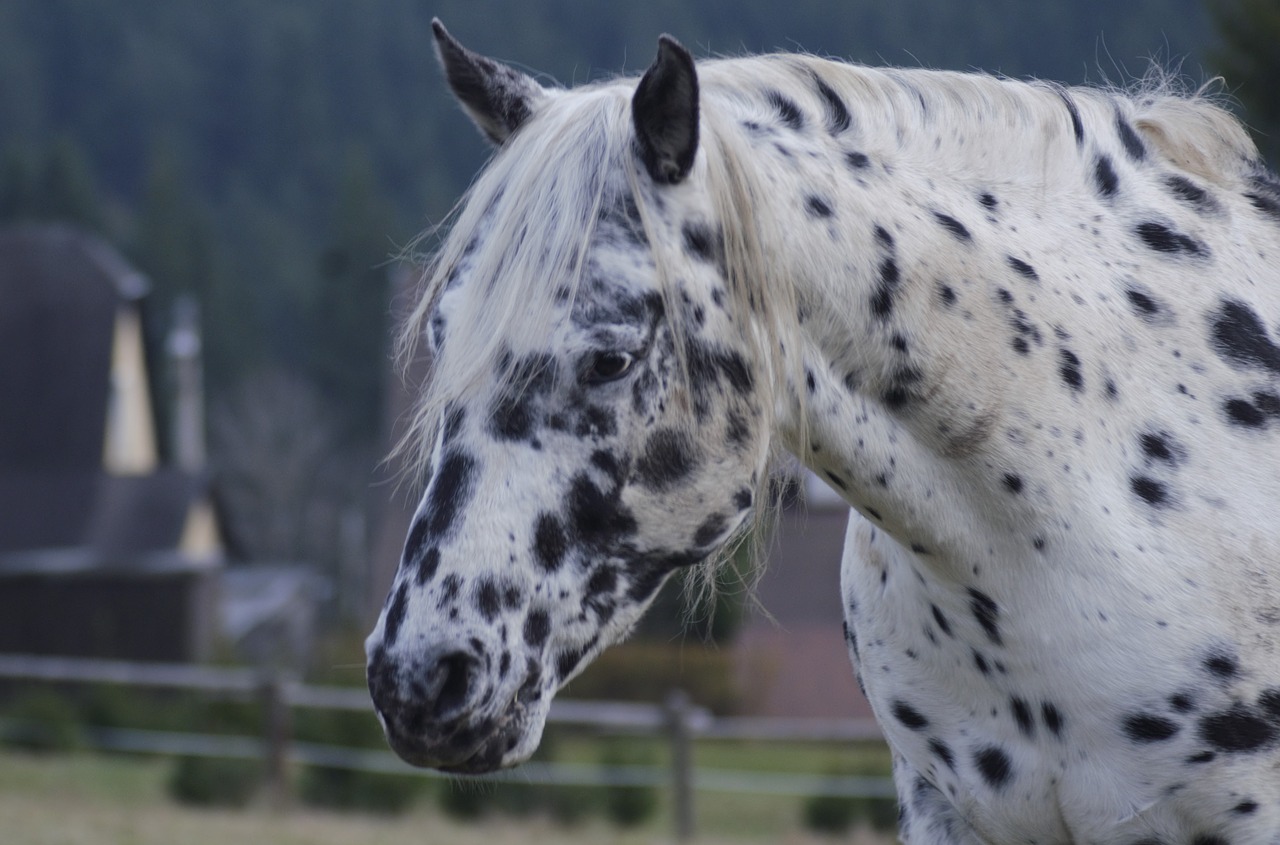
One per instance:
(607, 366)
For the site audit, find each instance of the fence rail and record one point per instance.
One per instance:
(677, 719)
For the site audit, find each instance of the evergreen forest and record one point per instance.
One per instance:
(271, 157)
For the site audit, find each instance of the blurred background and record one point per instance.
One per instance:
(202, 207)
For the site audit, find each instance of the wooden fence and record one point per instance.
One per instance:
(677, 719)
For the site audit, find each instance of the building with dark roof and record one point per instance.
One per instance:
(103, 551)
(790, 654)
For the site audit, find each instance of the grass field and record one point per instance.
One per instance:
(81, 799)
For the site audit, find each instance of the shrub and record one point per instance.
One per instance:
(214, 781)
(466, 800)
(519, 798)
(830, 813)
(46, 721)
(569, 805)
(882, 813)
(347, 789)
(335, 727)
(640, 671)
(628, 806)
(838, 813)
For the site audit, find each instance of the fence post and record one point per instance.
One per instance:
(678, 710)
(277, 729)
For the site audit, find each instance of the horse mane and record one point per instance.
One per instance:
(538, 200)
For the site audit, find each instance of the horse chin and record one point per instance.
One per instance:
(500, 744)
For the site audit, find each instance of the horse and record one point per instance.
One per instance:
(1027, 332)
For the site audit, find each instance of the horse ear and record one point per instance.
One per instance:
(497, 98)
(665, 112)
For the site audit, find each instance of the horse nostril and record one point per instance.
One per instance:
(451, 681)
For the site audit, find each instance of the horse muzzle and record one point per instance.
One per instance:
(437, 712)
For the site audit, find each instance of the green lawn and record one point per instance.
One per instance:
(83, 799)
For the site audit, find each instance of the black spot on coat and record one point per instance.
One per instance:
(857, 161)
(1269, 702)
(513, 414)
(604, 580)
(787, 109)
(1163, 239)
(1191, 193)
(1133, 145)
(1104, 177)
(943, 752)
(838, 118)
(901, 387)
(817, 206)
(488, 599)
(537, 627)
(1222, 664)
(1052, 718)
(1159, 446)
(1246, 414)
(1023, 268)
(909, 716)
(1077, 127)
(1240, 337)
(710, 530)
(888, 276)
(882, 296)
(395, 615)
(427, 566)
(1144, 304)
(1153, 492)
(451, 490)
(994, 765)
(1238, 729)
(1265, 195)
(1069, 369)
(669, 456)
(1148, 727)
(944, 624)
(987, 613)
(704, 243)
(596, 517)
(550, 542)
(1022, 715)
(568, 660)
(954, 226)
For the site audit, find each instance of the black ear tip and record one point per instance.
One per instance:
(443, 38)
(669, 45)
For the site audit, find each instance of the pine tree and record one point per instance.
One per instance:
(65, 189)
(17, 186)
(1249, 60)
(348, 326)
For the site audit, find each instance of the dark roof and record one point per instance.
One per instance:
(802, 583)
(60, 288)
(117, 517)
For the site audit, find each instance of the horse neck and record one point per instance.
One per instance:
(892, 386)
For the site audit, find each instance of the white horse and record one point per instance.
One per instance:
(1028, 333)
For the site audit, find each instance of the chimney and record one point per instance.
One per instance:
(188, 379)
